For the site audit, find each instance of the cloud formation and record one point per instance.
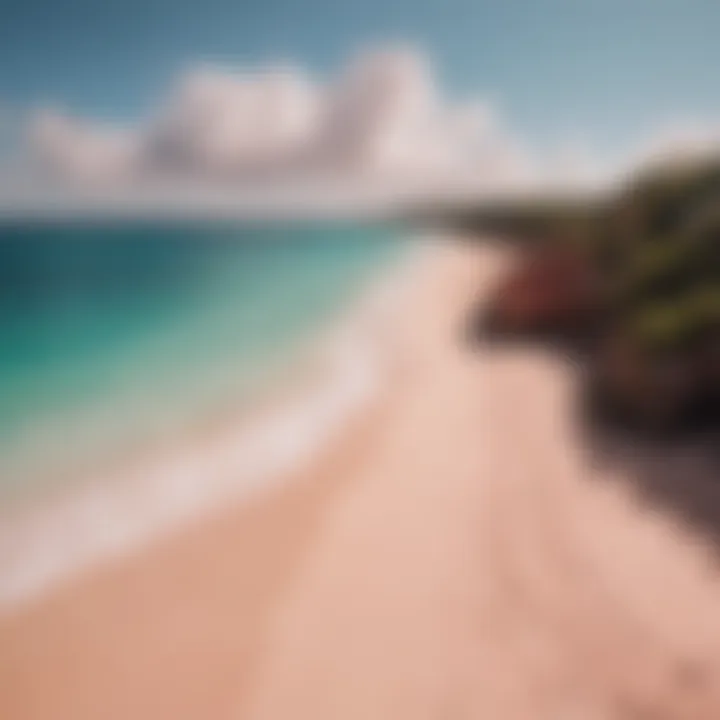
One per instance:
(378, 129)
(81, 150)
(224, 123)
(381, 117)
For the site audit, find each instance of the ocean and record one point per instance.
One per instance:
(152, 371)
(115, 337)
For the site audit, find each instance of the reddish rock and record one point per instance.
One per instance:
(548, 291)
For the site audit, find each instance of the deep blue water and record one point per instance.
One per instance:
(112, 334)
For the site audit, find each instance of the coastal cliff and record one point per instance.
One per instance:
(638, 275)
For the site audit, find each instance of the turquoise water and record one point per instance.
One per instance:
(113, 336)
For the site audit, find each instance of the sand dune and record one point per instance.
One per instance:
(459, 554)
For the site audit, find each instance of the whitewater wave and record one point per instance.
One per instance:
(119, 511)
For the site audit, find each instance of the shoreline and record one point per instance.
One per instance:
(47, 540)
(453, 553)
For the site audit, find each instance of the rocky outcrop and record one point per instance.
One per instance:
(550, 291)
(636, 278)
(667, 392)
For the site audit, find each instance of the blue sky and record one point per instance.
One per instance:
(606, 71)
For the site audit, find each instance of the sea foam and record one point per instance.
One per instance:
(118, 512)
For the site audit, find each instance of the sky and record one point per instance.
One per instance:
(610, 69)
(603, 74)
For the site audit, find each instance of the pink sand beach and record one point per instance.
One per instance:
(453, 553)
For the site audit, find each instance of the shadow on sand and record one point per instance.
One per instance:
(673, 473)
(676, 473)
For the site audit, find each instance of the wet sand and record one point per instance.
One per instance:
(454, 555)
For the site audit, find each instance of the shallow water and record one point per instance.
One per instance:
(116, 336)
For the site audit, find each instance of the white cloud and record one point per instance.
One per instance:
(381, 118)
(383, 115)
(380, 128)
(82, 151)
(219, 122)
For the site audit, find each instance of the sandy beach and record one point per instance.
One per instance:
(456, 553)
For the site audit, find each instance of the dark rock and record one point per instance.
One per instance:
(658, 393)
(550, 291)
